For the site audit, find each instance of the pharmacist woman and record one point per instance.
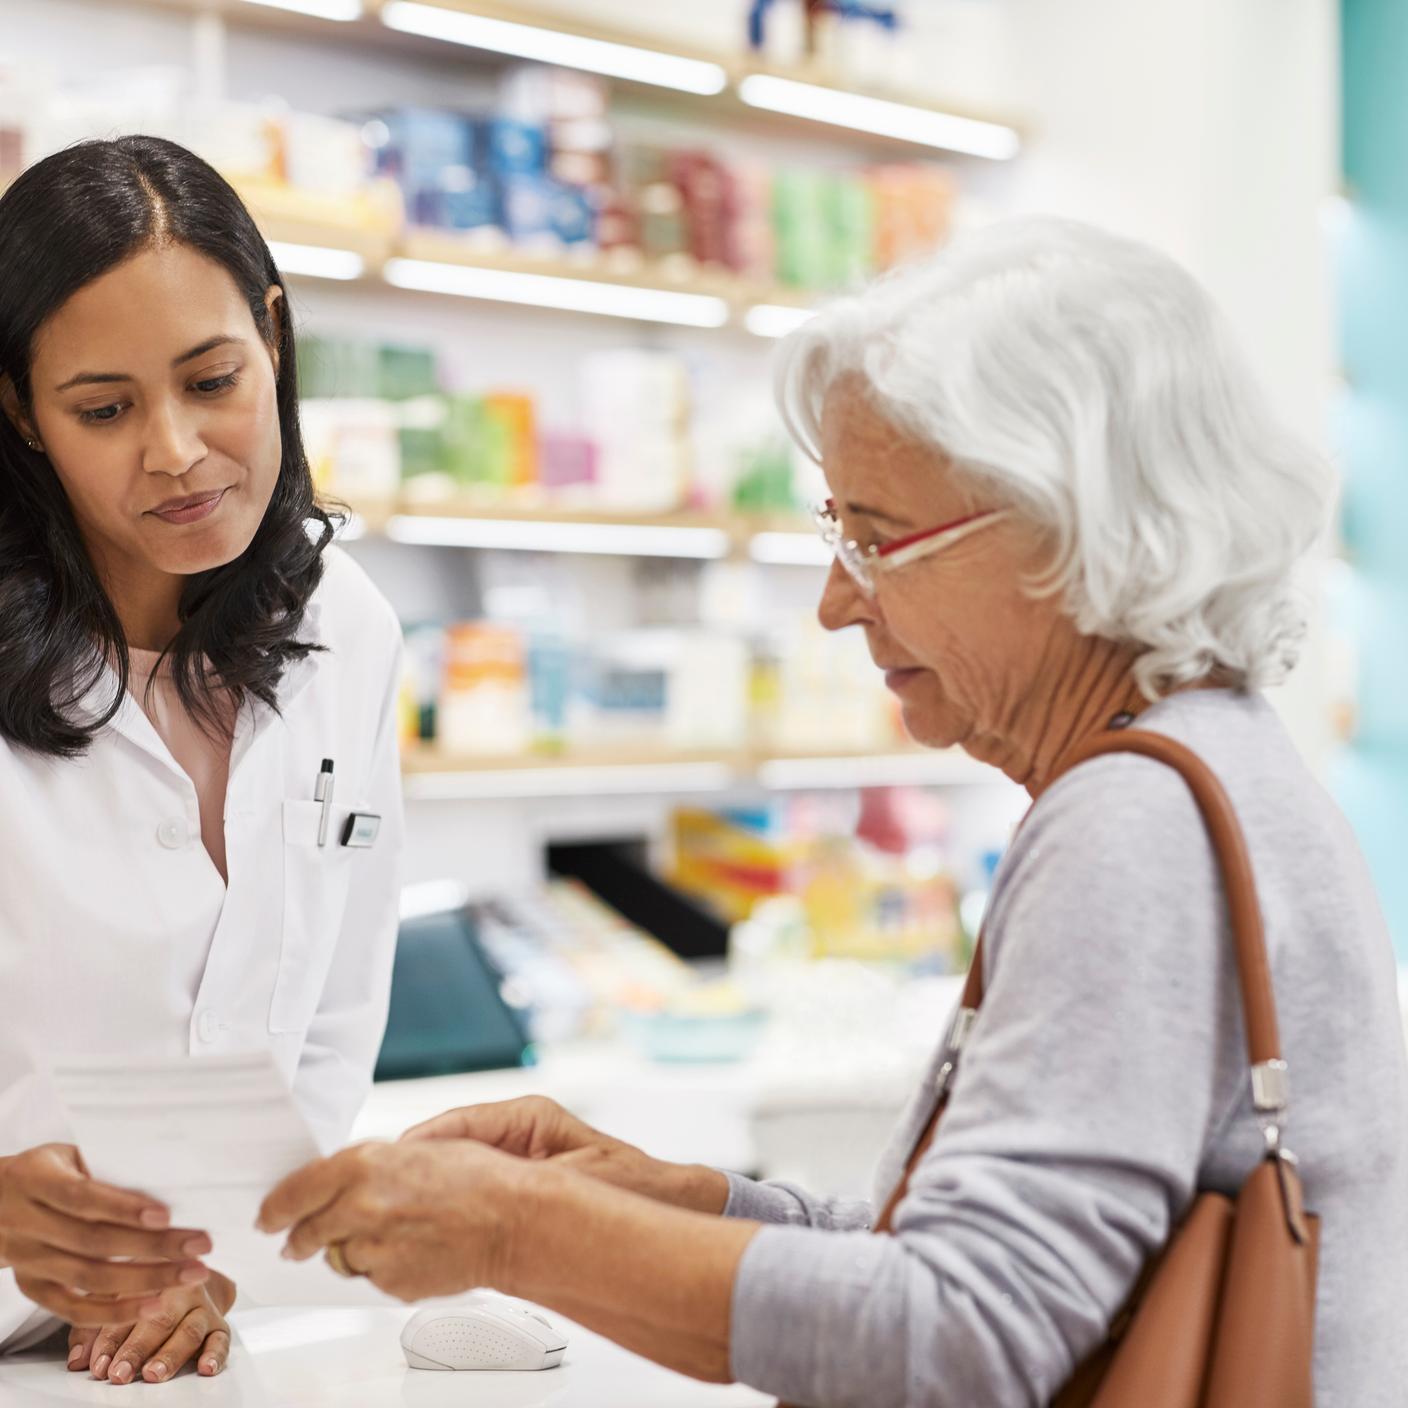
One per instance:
(180, 650)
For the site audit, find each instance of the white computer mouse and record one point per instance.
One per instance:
(481, 1332)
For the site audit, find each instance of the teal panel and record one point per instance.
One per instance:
(1371, 779)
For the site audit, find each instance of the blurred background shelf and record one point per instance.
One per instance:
(361, 241)
(713, 86)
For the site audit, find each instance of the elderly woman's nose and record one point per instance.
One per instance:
(842, 603)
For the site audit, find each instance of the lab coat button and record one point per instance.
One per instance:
(206, 1026)
(173, 834)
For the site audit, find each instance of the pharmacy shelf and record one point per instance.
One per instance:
(795, 100)
(360, 241)
(470, 522)
(431, 775)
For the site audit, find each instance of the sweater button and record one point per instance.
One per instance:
(173, 834)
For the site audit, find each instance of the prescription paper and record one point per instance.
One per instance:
(210, 1137)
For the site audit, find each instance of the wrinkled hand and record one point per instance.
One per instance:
(429, 1218)
(534, 1127)
(173, 1330)
(60, 1230)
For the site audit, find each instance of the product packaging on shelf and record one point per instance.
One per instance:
(839, 893)
(483, 707)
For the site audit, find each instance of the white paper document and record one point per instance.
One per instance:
(210, 1137)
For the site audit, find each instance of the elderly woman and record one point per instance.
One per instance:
(1057, 500)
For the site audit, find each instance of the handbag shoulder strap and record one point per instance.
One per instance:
(1270, 1091)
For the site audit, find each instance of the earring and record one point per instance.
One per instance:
(33, 445)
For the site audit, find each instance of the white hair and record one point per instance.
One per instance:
(1089, 381)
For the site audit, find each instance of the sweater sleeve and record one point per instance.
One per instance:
(786, 1203)
(1106, 1055)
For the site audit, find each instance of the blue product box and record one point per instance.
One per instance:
(514, 148)
(527, 204)
(472, 208)
(535, 206)
(573, 216)
(424, 142)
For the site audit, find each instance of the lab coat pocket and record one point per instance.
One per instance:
(315, 895)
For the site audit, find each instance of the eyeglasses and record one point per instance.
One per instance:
(865, 565)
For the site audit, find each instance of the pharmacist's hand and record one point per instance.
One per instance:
(60, 1230)
(174, 1329)
(535, 1127)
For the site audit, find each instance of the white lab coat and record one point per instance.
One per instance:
(117, 934)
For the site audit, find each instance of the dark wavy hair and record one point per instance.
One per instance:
(65, 221)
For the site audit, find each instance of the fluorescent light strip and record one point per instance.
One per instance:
(637, 779)
(651, 305)
(533, 535)
(880, 116)
(789, 550)
(316, 261)
(551, 46)
(319, 9)
(948, 768)
(774, 319)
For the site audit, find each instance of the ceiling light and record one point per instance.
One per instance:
(315, 261)
(880, 116)
(535, 535)
(653, 305)
(319, 9)
(774, 319)
(552, 46)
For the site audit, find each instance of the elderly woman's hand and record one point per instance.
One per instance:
(535, 1127)
(428, 1218)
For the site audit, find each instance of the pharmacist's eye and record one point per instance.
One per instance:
(100, 415)
(212, 386)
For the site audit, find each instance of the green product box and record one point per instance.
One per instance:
(477, 443)
(799, 229)
(422, 451)
(404, 372)
(764, 483)
(335, 367)
(849, 220)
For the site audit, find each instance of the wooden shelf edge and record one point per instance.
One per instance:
(930, 766)
(739, 526)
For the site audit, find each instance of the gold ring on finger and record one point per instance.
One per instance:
(336, 1257)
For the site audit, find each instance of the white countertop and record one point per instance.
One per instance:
(345, 1358)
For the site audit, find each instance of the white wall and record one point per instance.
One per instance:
(1209, 127)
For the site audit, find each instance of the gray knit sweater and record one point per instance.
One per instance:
(1104, 1083)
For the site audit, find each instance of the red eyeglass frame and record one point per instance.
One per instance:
(857, 560)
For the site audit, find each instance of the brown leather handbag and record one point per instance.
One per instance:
(1224, 1316)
